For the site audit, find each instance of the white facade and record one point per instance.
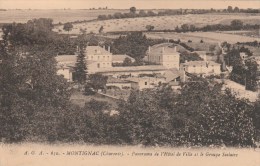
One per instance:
(165, 54)
(141, 83)
(97, 58)
(201, 67)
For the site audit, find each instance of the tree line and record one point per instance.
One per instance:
(234, 25)
(150, 13)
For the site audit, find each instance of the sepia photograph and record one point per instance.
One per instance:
(129, 82)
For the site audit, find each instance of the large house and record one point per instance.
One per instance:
(164, 54)
(201, 67)
(98, 58)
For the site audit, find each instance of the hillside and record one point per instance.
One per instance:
(160, 22)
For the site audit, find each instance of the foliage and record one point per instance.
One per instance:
(186, 56)
(149, 27)
(244, 70)
(29, 83)
(133, 9)
(135, 44)
(101, 29)
(97, 81)
(67, 27)
(80, 74)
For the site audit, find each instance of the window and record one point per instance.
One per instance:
(98, 57)
(98, 65)
(145, 83)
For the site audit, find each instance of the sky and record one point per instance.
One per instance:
(126, 4)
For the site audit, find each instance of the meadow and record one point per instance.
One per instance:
(212, 37)
(58, 15)
(160, 22)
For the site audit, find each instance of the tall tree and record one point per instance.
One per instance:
(80, 74)
(133, 10)
(67, 27)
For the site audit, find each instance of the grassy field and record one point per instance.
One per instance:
(160, 22)
(211, 37)
(57, 15)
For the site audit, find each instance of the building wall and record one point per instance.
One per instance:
(120, 85)
(167, 60)
(132, 73)
(66, 73)
(171, 61)
(200, 69)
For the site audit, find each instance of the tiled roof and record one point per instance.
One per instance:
(171, 74)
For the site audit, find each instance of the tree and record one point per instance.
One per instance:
(80, 74)
(230, 9)
(207, 116)
(101, 29)
(185, 27)
(97, 81)
(236, 24)
(149, 27)
(143, 121)
(127, 62)
(67, 27)
(29, 83)
(133, 10)
(236, 9)
(251, 67)
(142, 13)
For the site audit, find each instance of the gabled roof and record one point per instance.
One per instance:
(96, 50)
(171, 74)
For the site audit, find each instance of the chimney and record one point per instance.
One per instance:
(175, 49)
(149, 49)
(104, 47)
(108, 49)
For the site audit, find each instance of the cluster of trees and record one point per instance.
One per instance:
(230, 9)
(253, 44)
(134, 44)
(244, 71)
(31, 93)
(169, 12)
(234, 25)
(200, 115)
(187, 56)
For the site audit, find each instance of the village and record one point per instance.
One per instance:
(166, 70)
(137, 77)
